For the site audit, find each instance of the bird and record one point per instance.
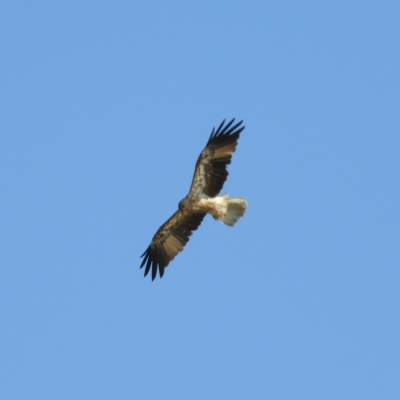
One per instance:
(203, 198)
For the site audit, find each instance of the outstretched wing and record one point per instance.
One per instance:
(211, 173)
(169, 241)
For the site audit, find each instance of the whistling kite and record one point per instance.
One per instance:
(209, 176)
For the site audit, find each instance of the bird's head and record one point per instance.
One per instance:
(183, 204)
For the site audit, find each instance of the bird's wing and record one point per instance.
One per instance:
(210, 172)
(169, 241)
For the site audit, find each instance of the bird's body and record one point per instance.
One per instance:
(220, 207)
(209, 177)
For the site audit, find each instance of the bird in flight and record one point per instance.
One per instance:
(209, 177)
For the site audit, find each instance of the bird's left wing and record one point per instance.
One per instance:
(169, 241)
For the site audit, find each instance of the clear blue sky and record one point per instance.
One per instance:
(105, 107)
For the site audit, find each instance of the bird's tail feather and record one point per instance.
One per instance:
(236, 208)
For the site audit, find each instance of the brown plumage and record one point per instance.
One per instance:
(209, 177)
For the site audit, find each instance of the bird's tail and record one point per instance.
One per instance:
(236, 208)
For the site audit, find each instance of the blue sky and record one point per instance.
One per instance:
(105, 108)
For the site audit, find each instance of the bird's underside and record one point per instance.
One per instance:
(209, 177)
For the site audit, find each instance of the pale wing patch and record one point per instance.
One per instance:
(172, 246)
(225, 151)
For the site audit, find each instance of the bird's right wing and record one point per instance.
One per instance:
(210, 172)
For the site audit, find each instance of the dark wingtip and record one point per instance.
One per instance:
(226, 130)
(143, 253)
(161, 270)
(154, 271)
(144, 259)
(215, 132)
(152, 262)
